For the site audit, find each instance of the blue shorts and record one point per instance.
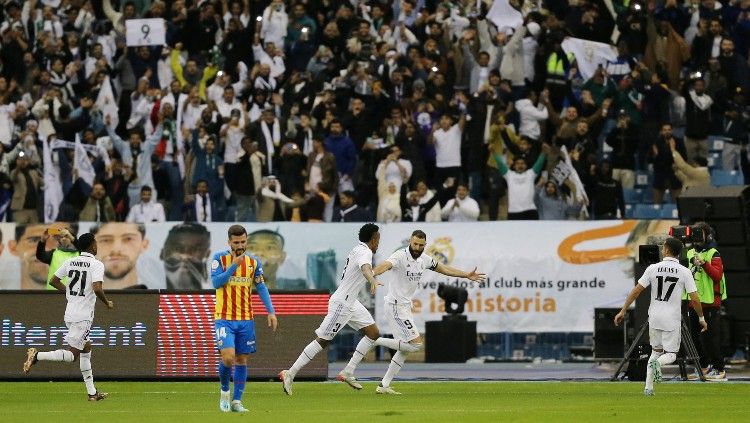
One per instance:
(237, 334)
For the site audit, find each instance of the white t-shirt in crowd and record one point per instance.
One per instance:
(520, 191)
(448, 147)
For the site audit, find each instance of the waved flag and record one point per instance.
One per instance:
(53, 194)
(589, 54)
(82, 164)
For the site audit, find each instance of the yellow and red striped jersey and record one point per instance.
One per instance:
(233, 298)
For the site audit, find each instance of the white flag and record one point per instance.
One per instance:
(145, 32)
(589, 54)
(53, 194)
(82, 164)
(576, 179)
(106, 103)
(503, 15)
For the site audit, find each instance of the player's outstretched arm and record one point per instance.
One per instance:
(382, 268)
(634, 293)
(452, 271)
(698, 309)
(57, 284)
(367, 272)
(99, 291)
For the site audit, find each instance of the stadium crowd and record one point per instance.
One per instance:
(347, 110)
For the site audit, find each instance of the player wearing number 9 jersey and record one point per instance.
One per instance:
(233, 274)
(668, 280)
(409, 265)
(344, 309)
(85, 275)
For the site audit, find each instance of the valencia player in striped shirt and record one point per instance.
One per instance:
(233, 273)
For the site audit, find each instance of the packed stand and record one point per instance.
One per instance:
(340, 110)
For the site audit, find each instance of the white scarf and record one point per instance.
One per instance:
(702, 101)
(271, 142)
(308, 145)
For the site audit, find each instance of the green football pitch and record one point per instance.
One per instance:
(183, 402)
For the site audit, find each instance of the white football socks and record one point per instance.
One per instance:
(397, 345)
(650, 372)
(88, 375)
(667, 358)
(396, 363)
(363, 347)
(57, 355)
(310, 351)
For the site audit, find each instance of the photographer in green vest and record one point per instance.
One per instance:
(55, 257)
(708, 270)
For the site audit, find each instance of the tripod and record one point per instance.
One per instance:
(687, 344)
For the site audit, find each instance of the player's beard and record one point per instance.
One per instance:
(119, 270)
(413, 255)
(238, 252)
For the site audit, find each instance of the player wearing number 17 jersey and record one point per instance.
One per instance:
(85, 275)
(668, 280)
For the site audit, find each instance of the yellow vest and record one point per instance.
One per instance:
(703, 282)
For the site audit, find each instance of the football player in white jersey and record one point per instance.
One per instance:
(410, 264)
(344, 308)
(85, 275)
(668, 280)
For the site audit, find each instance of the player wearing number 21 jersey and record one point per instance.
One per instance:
(85, 275)
(668, 280)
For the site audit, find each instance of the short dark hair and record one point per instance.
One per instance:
(145, 188)
(419, 234)
(270, 233)
(190, 228)
(140, 226)
(349, 193)
(367, 231)
(236, 230)
(85, 241)
(674, 246)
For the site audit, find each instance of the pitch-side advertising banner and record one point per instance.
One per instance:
(542, 276)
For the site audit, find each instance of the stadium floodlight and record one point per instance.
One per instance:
(455, 298)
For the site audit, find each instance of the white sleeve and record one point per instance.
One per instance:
(363, 257)
(689, 282)
(97, 273)
(393, 259)
(62, 271)
(645, 280)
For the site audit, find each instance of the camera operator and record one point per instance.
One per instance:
(708, 270)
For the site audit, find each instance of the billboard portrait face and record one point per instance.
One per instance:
(120, 245)
(268, 246)
(33, 271)
(185, 254)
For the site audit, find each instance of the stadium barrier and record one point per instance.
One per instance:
(545, 276)
(153, 334)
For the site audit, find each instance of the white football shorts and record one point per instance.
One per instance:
(668, 340)
(402, 321)
(341, 314)
(78, 334)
